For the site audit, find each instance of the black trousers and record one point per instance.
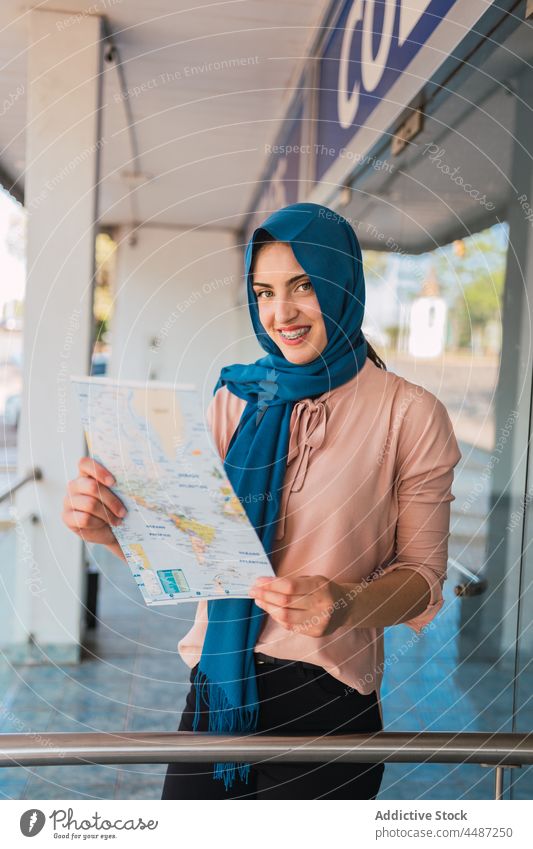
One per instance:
(294, 700)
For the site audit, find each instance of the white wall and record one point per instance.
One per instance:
(176, 313)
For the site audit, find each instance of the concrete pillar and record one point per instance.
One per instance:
(176, 311)
(489, 621)
(63, 145)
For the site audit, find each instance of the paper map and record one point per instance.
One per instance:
(186, 535)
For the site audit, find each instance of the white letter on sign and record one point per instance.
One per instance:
(348, 104)
(372, 69)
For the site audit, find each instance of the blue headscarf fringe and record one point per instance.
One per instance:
(224, 718)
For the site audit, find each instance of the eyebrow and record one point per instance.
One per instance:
(287, 282)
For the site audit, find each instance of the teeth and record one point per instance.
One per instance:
(295, 333)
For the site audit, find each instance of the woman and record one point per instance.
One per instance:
(345, 470)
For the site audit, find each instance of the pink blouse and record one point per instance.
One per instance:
(367, 490)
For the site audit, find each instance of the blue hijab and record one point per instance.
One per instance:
(326, 247)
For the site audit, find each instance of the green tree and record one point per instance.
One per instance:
(472, 275)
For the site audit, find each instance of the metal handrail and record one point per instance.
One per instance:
(32, 475)
(473, 586)
(498, 750)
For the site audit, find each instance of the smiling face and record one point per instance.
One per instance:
(288, 306)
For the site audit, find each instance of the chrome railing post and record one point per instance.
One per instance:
(498, 782)
(498, 776)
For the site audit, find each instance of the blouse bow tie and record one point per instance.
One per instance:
(308, 429)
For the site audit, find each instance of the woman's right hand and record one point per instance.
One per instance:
(91, 508)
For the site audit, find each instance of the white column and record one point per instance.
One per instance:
(489, 621)
(63, 147)
(176, 310)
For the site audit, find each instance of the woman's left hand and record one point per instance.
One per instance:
(312, 605)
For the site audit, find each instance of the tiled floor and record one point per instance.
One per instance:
(428, 689)
(133, 679)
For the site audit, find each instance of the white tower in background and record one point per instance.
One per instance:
(427, 321)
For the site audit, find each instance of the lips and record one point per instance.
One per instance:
(294, 334)
(292, 327)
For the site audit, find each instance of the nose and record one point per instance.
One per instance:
(285, 311)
